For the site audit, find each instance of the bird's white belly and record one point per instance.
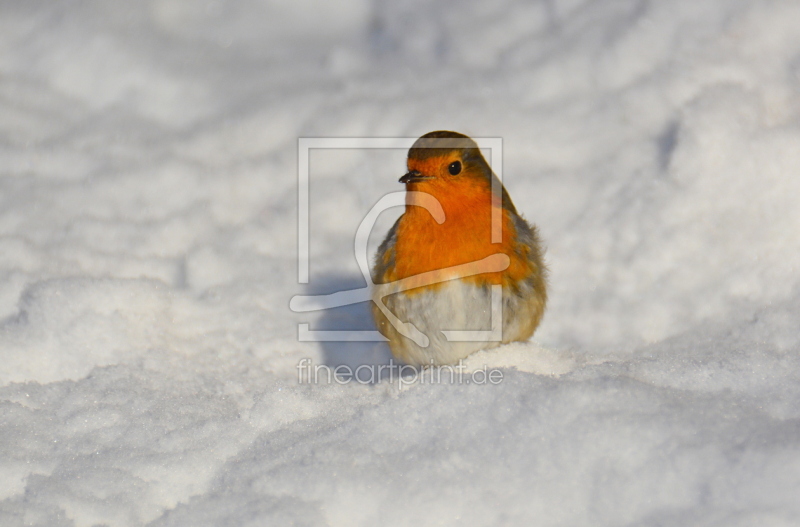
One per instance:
(459, 306)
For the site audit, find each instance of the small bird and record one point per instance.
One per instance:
(460, 236)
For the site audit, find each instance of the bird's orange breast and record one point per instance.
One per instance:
(423, 245)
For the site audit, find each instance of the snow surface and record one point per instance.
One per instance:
(148, 252)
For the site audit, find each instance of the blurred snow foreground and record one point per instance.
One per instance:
(148, 251)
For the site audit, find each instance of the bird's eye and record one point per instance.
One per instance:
(455, 168)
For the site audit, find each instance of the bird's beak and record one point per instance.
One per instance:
(413, 177)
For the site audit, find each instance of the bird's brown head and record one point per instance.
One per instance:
(440, 159)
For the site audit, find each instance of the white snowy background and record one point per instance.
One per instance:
(148, 252)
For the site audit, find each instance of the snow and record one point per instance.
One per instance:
(148, 252)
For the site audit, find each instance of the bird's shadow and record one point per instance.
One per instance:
(353, 317)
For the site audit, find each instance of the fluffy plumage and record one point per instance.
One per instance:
(450, 167)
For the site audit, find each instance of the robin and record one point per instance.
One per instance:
(460, 270)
